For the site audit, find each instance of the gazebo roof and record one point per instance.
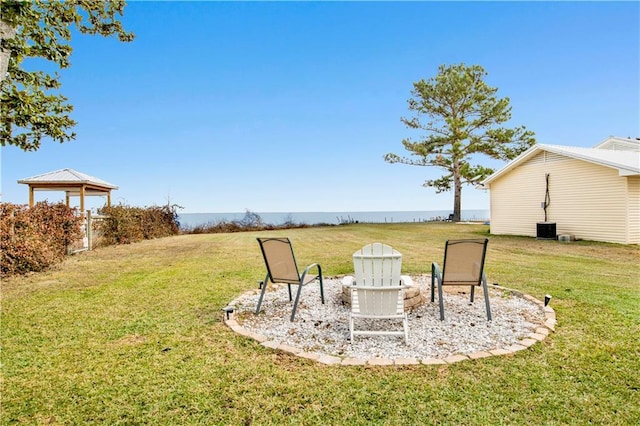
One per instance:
(67, 176)
(72, 182)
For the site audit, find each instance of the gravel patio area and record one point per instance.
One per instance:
(321, 332)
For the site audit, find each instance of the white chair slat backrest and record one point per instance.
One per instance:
(377, 265)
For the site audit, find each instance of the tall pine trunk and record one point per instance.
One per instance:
(457, 197)
(457, 190)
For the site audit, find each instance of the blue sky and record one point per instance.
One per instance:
(288, 107)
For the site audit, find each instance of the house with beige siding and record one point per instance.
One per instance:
(582, 193)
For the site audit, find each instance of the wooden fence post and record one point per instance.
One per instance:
(89, 231)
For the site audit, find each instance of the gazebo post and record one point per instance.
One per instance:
(31, 196)
(82, 199)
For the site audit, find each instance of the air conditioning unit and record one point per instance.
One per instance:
(566, 238)
(546, 230)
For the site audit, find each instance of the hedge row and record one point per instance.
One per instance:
(125, 224)
(32, 239)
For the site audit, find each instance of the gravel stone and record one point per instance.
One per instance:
(324, 329)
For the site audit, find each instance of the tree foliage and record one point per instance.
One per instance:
(31, 108)
(463, 118)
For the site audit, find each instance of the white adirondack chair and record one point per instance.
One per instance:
(377, 290)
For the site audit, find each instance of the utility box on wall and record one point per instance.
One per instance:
(546, 230)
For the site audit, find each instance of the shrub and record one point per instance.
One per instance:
(125, 224)
(32, 239)
(160, 221)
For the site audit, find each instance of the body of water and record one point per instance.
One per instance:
(333, 218)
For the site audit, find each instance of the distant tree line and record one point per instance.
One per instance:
(250, 222)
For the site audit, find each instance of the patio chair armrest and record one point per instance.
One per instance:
(406, 281)
(308, 268)
(436, 272)
(348, 281)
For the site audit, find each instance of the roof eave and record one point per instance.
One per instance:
(513, 163)
(67, 183)
(622, 171)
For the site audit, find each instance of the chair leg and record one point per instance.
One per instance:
(295, 304)
(264, 288)
(405, 324)
(441, 301)
(351, 328)
(486, 297)
(432, 282)
(289, 288)
(437, 278)
(321, 288)
(473, 289)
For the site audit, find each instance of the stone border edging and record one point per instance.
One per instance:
(538, 336)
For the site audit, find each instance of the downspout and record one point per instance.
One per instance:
(547, 197)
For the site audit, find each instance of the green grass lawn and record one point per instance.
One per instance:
(134, 334)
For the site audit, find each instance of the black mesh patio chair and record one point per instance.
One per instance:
(282, 268)
(463, 265)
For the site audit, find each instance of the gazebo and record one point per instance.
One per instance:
(73, 183)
